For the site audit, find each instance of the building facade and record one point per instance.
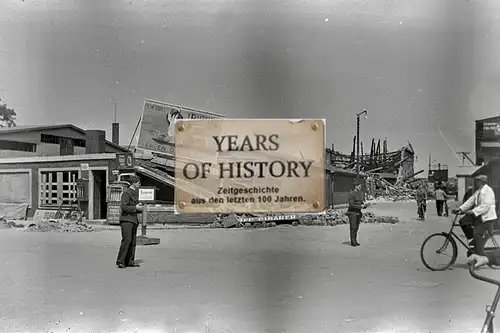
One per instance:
(487, 140)
(40, 166)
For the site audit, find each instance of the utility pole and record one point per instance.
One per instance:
(358, 115)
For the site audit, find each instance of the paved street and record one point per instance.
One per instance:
(284, 279)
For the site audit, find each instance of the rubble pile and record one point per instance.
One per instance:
(331, 217)
(334, 217)
(386, 191)
(5, 224)
(58, 226)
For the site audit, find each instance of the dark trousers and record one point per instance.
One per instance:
(476, 230)
(421, 209)
(354, 222)
(126, 254)
(439, 207)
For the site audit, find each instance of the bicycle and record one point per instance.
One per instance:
(71, 213)
(449, 239)
(490, 309)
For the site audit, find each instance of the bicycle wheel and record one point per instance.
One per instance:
(435, 252)
(492, 242)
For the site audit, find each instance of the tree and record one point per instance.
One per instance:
(7, 116)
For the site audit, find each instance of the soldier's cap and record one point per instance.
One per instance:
(133, 179)
(483, 178)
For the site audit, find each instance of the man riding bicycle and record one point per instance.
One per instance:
(480, 212)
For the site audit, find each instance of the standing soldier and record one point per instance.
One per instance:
(129, 222)
(421, 197)
(354, 212)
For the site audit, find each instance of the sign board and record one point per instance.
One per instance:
(491, 132)
(114, 212)
(125, 161)
(250, 165)
(156, 132)
(285, 217)
(85, 167)
(44, 214)
(147, 194)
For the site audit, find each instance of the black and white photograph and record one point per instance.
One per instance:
(249, 166)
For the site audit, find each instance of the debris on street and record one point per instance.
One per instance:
(385, 191)
(335, 217)
(5, 224)
(331, 217)
(58, 226)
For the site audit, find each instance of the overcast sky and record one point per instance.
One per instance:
(424, 69)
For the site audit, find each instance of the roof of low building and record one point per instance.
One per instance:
(31, 128)
(467, 170)
(495, 118)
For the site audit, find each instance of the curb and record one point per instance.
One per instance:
(101, 227)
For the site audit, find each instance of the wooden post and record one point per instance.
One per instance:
(144, 220)
(143, 239)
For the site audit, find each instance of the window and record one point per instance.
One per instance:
(54, 139)
(18, 146)
(79, 143)
(57, 186)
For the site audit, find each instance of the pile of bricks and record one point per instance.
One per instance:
(58, 226)
(336, 217)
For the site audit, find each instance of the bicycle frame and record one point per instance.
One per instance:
(454, 235)
(490, 309)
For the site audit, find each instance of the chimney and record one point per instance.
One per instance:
(95, 142)
(115, 133)
(115, 130)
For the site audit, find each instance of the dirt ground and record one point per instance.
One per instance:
(284, 279)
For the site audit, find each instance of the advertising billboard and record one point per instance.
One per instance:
(491, 132)
(157, 130)
(487, 140)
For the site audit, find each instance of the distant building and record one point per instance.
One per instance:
(51, 140)
(487, 140)
(39, 166)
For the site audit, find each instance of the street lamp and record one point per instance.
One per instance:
(364, 112)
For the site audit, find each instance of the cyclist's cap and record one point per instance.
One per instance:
(133, 179)
(483, 178)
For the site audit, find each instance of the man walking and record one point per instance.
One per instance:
(440, 199)
(480, 212)
(130, 207)
(354, 212)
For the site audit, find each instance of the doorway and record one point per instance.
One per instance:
(100, 187)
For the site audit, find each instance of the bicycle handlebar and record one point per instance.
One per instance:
(472, 271)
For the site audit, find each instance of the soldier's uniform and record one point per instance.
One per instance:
(421, 197)
(354, 214)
